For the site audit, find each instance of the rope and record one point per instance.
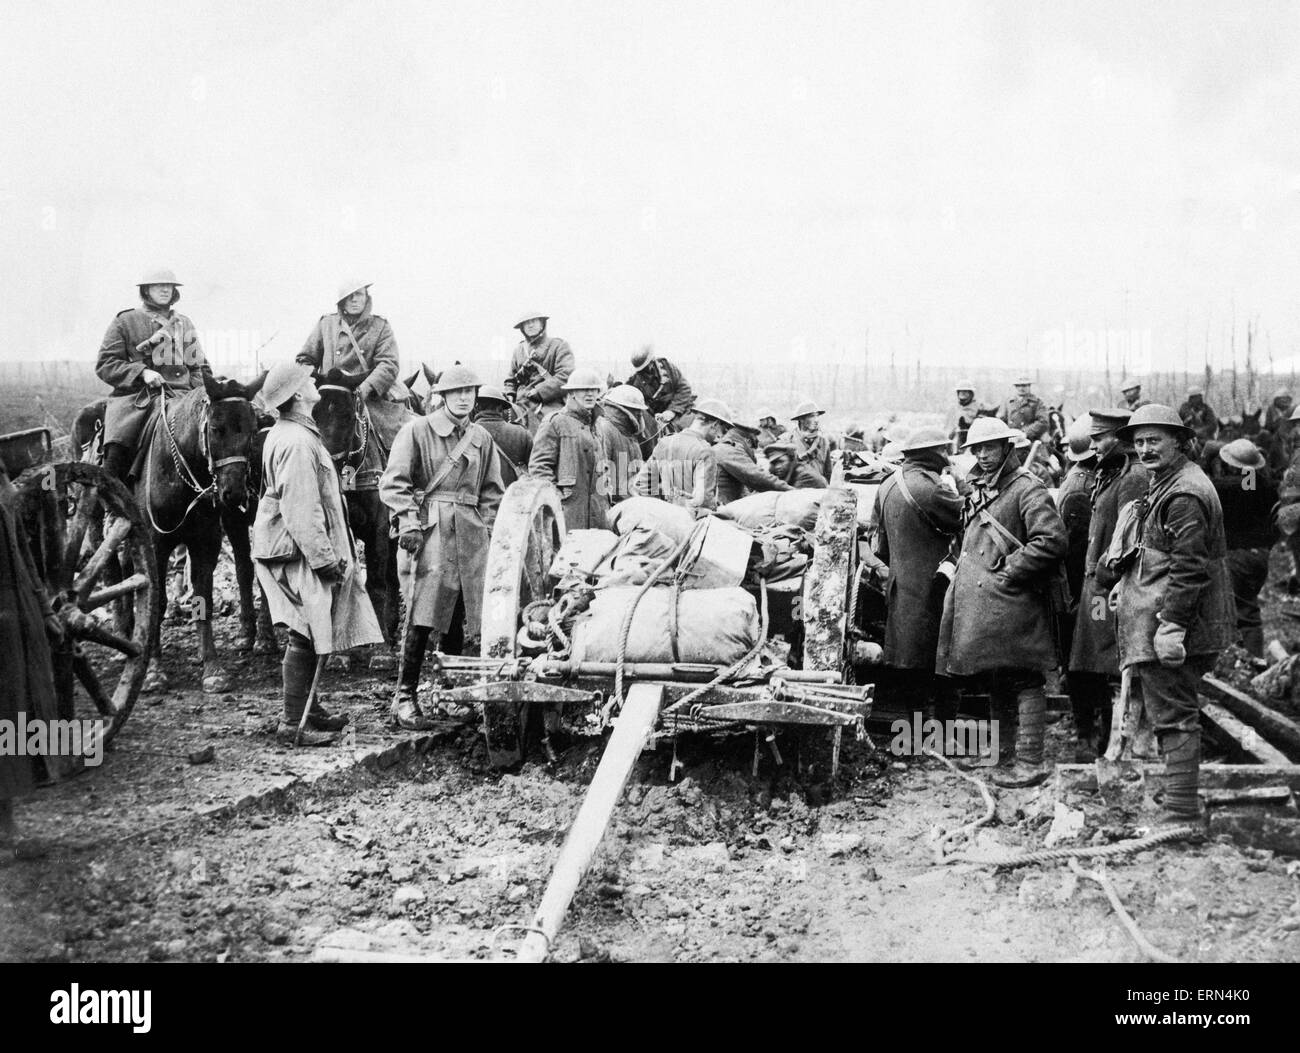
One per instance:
(736, 666)
(1130, 925)
(990, 807)
(182, 469)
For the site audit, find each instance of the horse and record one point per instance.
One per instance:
(350, 436)
(195, 469)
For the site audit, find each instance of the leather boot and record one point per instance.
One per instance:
(298, 668)
(1031, 724)
(117, 461)
(1181, 751)
(406, 712)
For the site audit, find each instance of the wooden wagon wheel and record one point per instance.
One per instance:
(528, 532)
(102, 578)
(826, 584)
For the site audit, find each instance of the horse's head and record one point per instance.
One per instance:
(231, 428)
(338, 415)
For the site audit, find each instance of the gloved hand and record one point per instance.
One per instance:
(666, 417)
(365, 390)
(333, 571)
(1169, 646)
(411, 541)
(152, 378)
(54, 628)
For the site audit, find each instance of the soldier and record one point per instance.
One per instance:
(146, 349)
(355, 340)
(768, 429)
(1287, 518)
(999, 610)
(1025, 410)
(1279, 410)
(1044, 464)
(1131, 389)
(443, 487)
(619, 429)
(854, 440)
(567, 451)
(963, 415)
(683, 469)
(917, 515)
(811, 447)
(782, 464)
(1174, 609)
(665, 390)
(538, 369)
(494, 413)
(1198, 416)
(738, 470)
(1093, 664)
(304, 554)
(1247, 495)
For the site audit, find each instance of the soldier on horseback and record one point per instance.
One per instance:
(146, 349)
(357, 342)
(539, 368)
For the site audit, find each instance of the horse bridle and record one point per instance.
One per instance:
(183, 468)
(360, 429)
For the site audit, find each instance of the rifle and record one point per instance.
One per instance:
(525, 369)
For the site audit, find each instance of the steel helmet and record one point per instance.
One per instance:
(1242, 453)
(892, 452)
(1130, 384)
(747, 423)
(1282, 393)
(283, 381)
(1079, 435)
(1024, 378)
(347, 288)
(642, 358)
(492, 393)
(455, 377)
(1020, 439)
(1195, 389)
(766, 414)
(987, 429)
(529, 317)
(965, 385)
(1295, 414)
(924, 439)
(627, 396)
(1154, 414)
(714, 409)
(584, 380)
(159, 276)
(807, 409)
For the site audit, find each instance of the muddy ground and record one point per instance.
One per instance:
(410, 844)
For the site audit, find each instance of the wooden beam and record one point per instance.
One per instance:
(1280, 731)
(1083, 777)
(1247, 739)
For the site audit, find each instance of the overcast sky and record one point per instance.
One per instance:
(726, 181)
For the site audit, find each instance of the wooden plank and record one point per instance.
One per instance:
(1280, 834)
(635, 721)
(1248, 740)
(1280, 731)
(1282, 796)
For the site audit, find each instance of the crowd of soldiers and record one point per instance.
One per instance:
(1137, 547)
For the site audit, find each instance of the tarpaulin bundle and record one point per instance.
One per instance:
(716, 626)
(770, 508)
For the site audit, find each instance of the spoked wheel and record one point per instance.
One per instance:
(528, 532)
(96, 557)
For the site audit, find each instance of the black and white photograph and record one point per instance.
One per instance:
(650, 482)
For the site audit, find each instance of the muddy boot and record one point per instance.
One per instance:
(1182, 802)
(117, 462)
(299, 667)
(1085, 732)
(406, 713)
(320, 719)
(1028, 768)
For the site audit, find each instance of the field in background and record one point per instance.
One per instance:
(49, 393)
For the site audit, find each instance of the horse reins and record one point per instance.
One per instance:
(183, 468)
(361, 427)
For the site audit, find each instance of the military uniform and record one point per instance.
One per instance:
(812, 451)
(537, 375)
(513, 441)
(683, 470)
(364, 345)
(961, 417)
(616, 428)
(738, 470)
(140, 338)
(1201, 419)
(567, 451)
(664, 388)
(1028, 413)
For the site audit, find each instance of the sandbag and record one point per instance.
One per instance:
(718, 626)
(653, 514)
(796, 507)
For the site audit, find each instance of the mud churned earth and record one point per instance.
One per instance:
(410, 844)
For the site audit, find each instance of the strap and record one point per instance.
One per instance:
(1001, 533)
(506, 457)
(365, 361)
(907, 496)
(449, 463)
